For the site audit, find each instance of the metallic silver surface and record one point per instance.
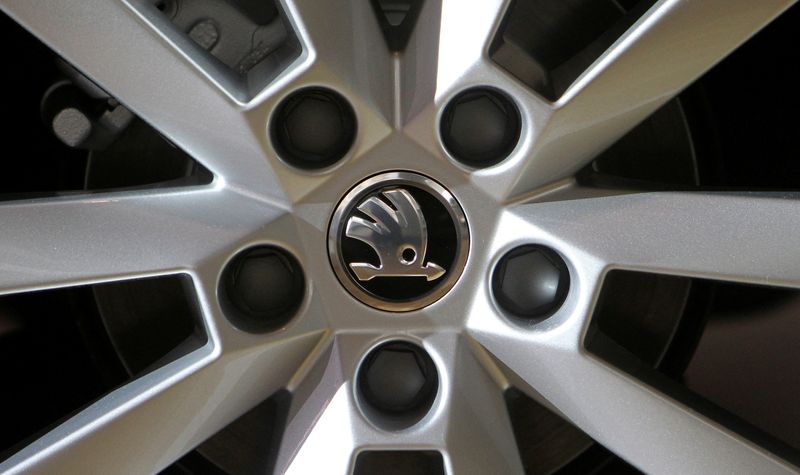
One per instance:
(412, 235)
(144, 426)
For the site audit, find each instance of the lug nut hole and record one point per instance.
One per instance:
(313, 128)
(397, 384)
(531, 282)
(261, 289)
(480, 127)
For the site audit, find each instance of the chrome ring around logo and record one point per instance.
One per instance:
(398, 241)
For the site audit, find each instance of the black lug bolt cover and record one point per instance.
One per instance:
(398, 378)
(263, 288)
(531, 282)
(480, 127)
(313, 128)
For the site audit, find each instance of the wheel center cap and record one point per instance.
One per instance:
(398, 241)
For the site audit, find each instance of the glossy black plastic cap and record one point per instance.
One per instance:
(313, 128)
(480, 127)
(398, 383)
(262, 288)
(531, 282)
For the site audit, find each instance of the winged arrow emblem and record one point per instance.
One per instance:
(395, 228)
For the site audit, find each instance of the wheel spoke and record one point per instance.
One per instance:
(151, 422)
(470, 424)
(738, 237)
(665, 51)
(735, 237)
(461, 37)
(118, 50)
(349, 53)
(480, 438)
(429, 77)
(323, 422)
(644, 427)
(320, 427)
(447, 53)
(330, 440)
(92, 238)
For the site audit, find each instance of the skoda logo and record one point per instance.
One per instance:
(398, 241)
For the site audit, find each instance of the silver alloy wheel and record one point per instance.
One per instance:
(530, 198)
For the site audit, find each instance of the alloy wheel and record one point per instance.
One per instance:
(260, 242)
